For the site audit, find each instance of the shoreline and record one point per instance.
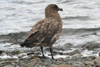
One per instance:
(37, 61)
(71, 59)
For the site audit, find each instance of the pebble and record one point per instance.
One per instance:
(89, 47)
(76, 55)
(66, 53)
(62, 65)
(34, 57)
(75, 52)
(97, 61)
(89, 63)
(99, 53)
(2, 54)
(76, 60)
(61, 62)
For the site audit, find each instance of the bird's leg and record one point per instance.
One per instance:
(51, 52)
(42, 51)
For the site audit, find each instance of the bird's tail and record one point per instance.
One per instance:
(22, 44)
(25, 44)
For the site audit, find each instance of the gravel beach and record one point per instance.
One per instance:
(77, 46)
(72, 59)
(36, 61)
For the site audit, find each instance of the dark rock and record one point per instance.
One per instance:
(29, 53)
(97, 65)
(56, 52)
(91, 46)
(94, 33)
(37, 53)
(92, 57)
(1, 52)
(99, 53)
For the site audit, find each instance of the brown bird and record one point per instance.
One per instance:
(46, 31)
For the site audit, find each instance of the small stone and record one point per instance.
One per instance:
(68, 45)
(94, 33)
(75, 52)
(6, 40)
(76, 55)
(65, 47)
(62, 65)
(92, 57)
(91, 46)
(78, 65)
(38, 57)
(97, 61)
(60, 59)
(34, 60)
(66, 53)
(15, 52)
(37, 53)
(65, 59)
(89, 63)
(34, 57)
(99, 53)
(2, 54)
(58, 52)
(23, 55)
(97, 65)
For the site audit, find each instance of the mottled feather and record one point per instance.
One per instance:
(46, 31)
(42, 32)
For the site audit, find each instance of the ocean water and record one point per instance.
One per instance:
(81, 20)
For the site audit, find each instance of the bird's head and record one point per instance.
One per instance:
(52, 9)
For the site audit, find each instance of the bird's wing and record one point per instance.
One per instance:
(42, 32)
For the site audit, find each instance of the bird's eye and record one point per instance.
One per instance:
(55, 6)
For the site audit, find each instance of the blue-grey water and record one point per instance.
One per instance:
(81, 20)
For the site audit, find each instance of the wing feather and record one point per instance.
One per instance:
(42, 32)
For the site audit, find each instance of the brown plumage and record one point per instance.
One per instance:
(46, 31)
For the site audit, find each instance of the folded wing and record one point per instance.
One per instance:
(42, 32)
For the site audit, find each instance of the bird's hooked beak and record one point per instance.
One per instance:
(60, 9)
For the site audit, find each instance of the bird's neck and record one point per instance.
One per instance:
(55, 16)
